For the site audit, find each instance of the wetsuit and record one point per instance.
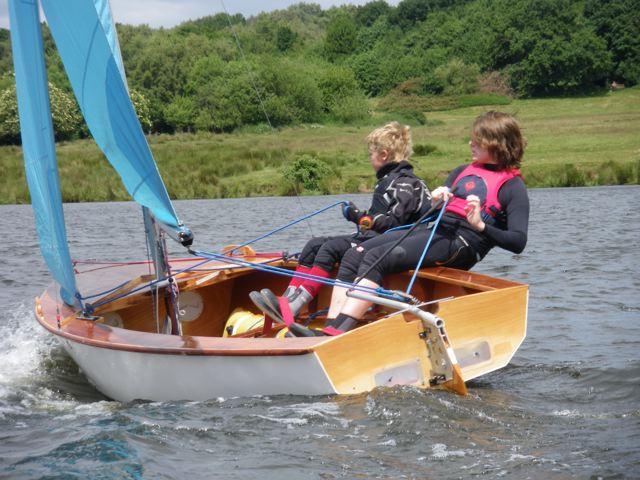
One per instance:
(399, 198)
(455, 244)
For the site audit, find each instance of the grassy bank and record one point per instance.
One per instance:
(572, 142)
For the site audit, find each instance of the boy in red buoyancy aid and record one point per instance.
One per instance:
(487, 206)
(399, 198)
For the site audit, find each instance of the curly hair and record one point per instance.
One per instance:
(500, 134)
(393, 137)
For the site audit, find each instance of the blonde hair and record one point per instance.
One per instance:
(393, 137)
(500, 134)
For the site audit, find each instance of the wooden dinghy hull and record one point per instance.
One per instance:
(485, 323)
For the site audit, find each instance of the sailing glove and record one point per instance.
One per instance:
(352, 213)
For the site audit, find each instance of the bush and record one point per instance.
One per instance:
(424, 149)
(336, 84)
(307, 172)
(181, 114)
(142, 108)
(351, 109)
(495, 82)
(457, 78)
(67, 121)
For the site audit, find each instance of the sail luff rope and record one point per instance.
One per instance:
(264, 110)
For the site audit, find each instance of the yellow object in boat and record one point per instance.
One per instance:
(241, 321)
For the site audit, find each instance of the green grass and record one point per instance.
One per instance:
(572, 142)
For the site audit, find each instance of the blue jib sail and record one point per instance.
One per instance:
(101, 92)
(38, 143)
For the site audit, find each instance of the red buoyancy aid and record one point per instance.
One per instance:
(482, 182)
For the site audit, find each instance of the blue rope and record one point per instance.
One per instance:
(280, 271)
(409, 225)
(141, 287)
(305, 276)
(426, 247)
(290, 224)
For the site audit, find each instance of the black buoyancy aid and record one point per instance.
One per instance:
(383, 194)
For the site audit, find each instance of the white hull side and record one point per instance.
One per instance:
(125, 376)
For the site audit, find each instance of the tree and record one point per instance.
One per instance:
(411, 12)
(549, 48)
(367, 14)
(285, 37)
(182, 113)
(340, 39)
(618, 23)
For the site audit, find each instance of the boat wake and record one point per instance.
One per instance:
(35, 372)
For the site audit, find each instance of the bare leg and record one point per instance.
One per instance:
(356, 308)
(338, 297)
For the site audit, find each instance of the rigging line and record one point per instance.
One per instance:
(157, 282)
(401, 296)
(284, 227)
(264, 110)
(426, 248)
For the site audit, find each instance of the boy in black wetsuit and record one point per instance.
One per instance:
(399, 198)
(487, 206)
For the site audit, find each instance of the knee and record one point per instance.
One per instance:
(308, 254)
(350, 264)
(374, 267)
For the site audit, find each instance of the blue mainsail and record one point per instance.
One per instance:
(101, 92)
(38, 143)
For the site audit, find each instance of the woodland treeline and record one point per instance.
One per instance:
(307, 65)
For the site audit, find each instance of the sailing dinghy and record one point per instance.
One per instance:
(170, 328)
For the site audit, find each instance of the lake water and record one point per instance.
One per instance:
(568, 405)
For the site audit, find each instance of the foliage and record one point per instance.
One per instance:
(367, 14)
(618, 23)
(423, 149)
(67, 122)
(285, 37)
(453, 78)
(309, 65)
(307, 171)
(142, 109)
(560, 131)
(341, 36)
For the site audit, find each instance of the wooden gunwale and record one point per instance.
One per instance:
(88, 332)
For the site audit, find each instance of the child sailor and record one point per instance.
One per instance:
(399, 198)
